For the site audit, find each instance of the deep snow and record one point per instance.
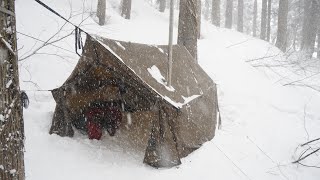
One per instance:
(262, 121)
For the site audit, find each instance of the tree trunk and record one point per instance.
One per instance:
(162, 5)
(101, 12)
(198, 18)
(187, 30)
(240, 16)
(126, 9)
(11, 119)
(207, 9)
(318, 54)
(263, 20)
(255, 16)
(309, 29)
(282, 25)
(229, 9)
(269, 20)
(215, 13)
(177, 4)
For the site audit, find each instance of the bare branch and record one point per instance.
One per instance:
(46, 42)
(310, 141)
(299, 80)
(238, 43)
(304, 157)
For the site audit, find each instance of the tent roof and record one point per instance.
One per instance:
(149, 64)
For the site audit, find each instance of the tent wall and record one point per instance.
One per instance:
(196, 123)
(162, 146)
(61, 122)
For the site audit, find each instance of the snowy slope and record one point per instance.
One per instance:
(263, 121)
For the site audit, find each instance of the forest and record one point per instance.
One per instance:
(185, 89)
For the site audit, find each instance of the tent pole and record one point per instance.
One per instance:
(170, 42)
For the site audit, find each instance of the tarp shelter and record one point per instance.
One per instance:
(168, 123)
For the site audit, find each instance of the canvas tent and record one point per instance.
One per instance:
(167, 123)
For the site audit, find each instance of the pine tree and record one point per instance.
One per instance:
(126, 9)
(101, 12)
(229, 10)
(269, 20)
(11, 119)
(282, 25)
(187, 30)
(215, 13)
(255, 16)
(240, 16)
(263, 20)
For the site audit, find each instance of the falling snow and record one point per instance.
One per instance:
(263, 121)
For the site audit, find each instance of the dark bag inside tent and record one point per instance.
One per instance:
(122, 86)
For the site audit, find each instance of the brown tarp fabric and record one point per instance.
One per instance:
(175, 122)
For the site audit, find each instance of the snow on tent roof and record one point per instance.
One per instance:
(149, 63)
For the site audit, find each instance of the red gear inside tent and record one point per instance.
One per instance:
(98, 118)
(94, 126)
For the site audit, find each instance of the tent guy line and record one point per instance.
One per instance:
(56, 13)
(235, 165)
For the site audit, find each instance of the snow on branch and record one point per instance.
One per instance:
(7, 44)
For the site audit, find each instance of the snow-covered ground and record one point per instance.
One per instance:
(263, 122)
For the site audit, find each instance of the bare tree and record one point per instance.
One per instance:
(282, 25)
(162, 5)
(263, 20)
(309, 29)
(229, 10)
(187, 30)
(101, 12)
(240, 16)
(255, 16)
(215, 13)
(126, 9)
(11, 119)
(269, 20)
(206, 9)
